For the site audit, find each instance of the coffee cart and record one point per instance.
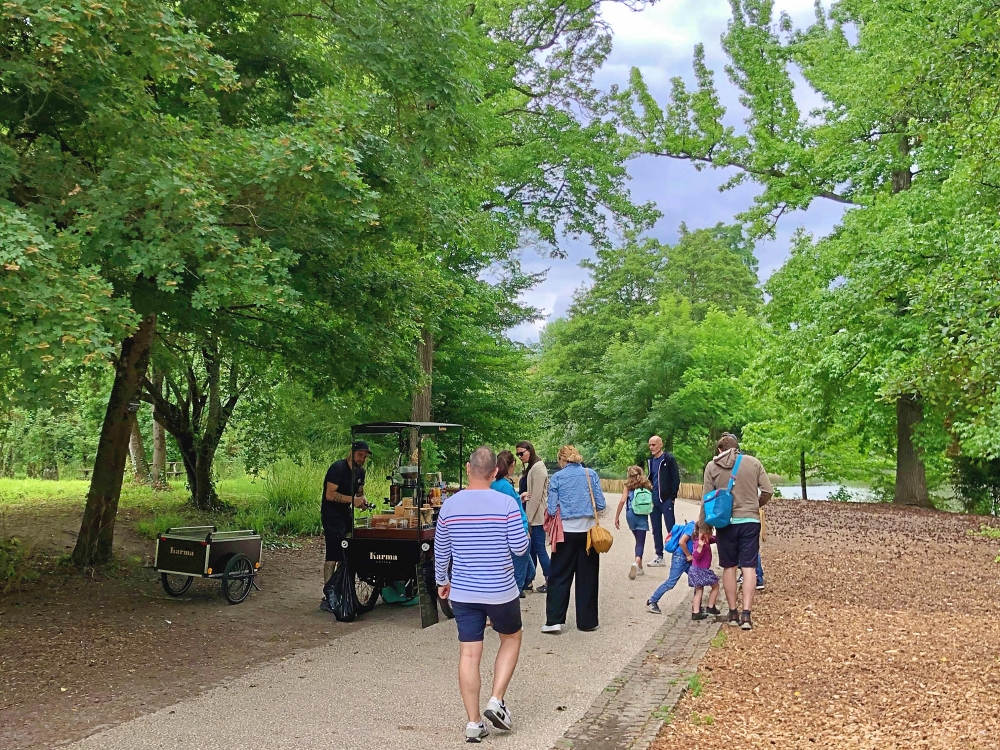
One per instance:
(393, 539)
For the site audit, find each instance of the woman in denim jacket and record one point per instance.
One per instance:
(570, 492)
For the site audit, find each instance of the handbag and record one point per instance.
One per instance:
(718, 504)
(598, 537)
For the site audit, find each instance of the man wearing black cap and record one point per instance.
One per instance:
(344, 483)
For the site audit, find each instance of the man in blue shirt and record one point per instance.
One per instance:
(665, 477)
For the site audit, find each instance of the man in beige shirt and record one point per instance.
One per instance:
(739, 542)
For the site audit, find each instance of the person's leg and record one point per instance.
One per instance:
(696, 600)
(713, 597)
(749, 585)
(561, 572)
(521, 563)
(678, 567)
(656, 522)
(538, 550)
(503, 669)
(760, 571)
(668, 516)
(729, 584)
(588, 573)
(640, 545)
(469, 679)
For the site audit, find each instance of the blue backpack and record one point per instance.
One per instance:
(676, 533)
(719, 503)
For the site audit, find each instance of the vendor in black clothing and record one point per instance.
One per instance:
(345, 480)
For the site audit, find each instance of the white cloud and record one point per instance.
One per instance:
(660, 41)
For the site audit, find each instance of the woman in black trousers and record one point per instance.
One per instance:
(575, 492)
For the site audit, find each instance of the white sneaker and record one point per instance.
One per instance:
(498, 714)
(642, 572)
(476, 732)
(656, 562)
(633, 572)
(552, 629)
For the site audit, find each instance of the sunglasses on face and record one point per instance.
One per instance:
(522, 453)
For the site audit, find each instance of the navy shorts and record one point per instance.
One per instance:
(738, 545)
(471, 619)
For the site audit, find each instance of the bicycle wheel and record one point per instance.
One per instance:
(175, 585)
(237, 579)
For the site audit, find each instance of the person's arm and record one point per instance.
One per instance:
(517, 539)
(621, 504)
(673, 478)
(333, 496)
(682, 546)
(764, 484)
(599, 500)
(538, 476)
(442, 558)
(553, 501)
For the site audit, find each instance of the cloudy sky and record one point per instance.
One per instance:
(660, 41)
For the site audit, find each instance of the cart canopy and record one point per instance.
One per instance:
(384, 428)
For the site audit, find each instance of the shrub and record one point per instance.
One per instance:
(159, 524)
(16, 568)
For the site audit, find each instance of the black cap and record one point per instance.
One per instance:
(360, 445)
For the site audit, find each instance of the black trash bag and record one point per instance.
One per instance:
(341, 598)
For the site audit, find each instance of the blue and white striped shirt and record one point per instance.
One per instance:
(477, 531)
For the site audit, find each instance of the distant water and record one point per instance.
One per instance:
(824, 491)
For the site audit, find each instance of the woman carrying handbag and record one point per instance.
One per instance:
(575, 496)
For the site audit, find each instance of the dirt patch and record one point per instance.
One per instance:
(878, 629)
(78, 654)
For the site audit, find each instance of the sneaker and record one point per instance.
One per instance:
(712, 611)
(476, 732)
(552, 629)
(734, 617)
(642, 571)
(745, 623)
(498, 714)
(522, 595)
(324, 605)
(699, 616)
(529, 587)
(760, 586)
(656, 562)
(633, 572)
(588, 630)
(543, 589)
(653, 607)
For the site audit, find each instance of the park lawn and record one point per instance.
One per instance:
(878, 630)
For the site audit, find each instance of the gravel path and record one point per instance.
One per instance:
(392, 685)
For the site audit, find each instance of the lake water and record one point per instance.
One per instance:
(823, 492)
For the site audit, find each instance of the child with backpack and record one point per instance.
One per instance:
(700, 574)
(637, 499)
(680, 547)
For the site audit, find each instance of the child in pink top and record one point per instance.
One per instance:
(701, 574)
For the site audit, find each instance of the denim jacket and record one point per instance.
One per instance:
(568, 492)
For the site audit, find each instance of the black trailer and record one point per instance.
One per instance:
(393, 539)
(184, 553)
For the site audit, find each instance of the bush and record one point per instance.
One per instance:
(290, 503)
(159, 524)
(977, 484)
(16, 568)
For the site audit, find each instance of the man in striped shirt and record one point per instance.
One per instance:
(477, 531)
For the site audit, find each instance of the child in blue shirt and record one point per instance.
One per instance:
(680, 563)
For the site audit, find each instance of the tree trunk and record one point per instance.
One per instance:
(911, 479)
(203, 494)
(159, 444)
(138, 452)
(97, 530)
(421, 411)
(422, 398)
(802, 473)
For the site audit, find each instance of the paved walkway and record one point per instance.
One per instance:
(392, 685)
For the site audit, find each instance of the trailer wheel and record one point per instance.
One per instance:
(367, 591)
(175, 585)
(237, 579)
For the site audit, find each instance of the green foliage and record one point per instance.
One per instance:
(719, 639)
(695, 685)
(635, 357)
(159, 524)
(977, 483)
(16, 565)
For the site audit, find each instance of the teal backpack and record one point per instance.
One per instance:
(718, 504)
(642, 502)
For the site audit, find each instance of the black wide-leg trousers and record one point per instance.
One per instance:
(570, 560)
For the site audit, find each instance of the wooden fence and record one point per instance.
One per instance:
(173, 470)
(688, 490)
